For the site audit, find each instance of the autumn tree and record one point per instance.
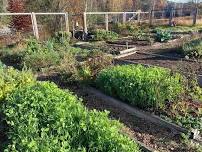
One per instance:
(20, 22)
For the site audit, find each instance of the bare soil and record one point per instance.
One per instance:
(170, 60)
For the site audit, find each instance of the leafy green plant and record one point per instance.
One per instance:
(94, 63)
(33, 45)
(193, 48)
(42, 117)
(42, 59)
(163, 35)
(63, 37)
(141, 86)
(68, 67)
(125, 29)
(11, 79)
(103, 35)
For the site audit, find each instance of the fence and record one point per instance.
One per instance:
(134, 16)
(159, 17)
(188, 16)
(34, 20)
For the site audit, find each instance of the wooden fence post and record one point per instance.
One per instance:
(34, 25)
(124, 17)
(195, 16)
(151, 18)
(66, 22)
(171, 17)
(139, 16)
(107, 22)
(85, 23)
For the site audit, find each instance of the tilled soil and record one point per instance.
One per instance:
(176, 63)
(150, 134)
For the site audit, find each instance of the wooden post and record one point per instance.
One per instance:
(85, 23)
(151, 17)
(107, 22)
(195, 16)
(66, 22)
(73, 29)
(34, 25)
(124, 17)
(139, 16)
(171, 17)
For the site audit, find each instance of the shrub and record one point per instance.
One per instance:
(21, 22)
(141, 86)
(68, 67)
(44, 118)
(41, 59)
(94, 63)
(33, 45)
(163, 35)
(10, 79)
(101, 35)
(193, 48)
(125, 29)
(63, 37)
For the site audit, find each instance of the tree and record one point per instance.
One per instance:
(19, 22)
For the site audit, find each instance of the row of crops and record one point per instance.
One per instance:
(38, 116)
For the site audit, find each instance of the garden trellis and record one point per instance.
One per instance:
(34, 19)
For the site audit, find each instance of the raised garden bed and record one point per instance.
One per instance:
(152, 135)
(156, 90)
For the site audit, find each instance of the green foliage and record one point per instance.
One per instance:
(2, 66)
(33, 45)
(179, 29)
(193, 48)
(42, 59)
(11, 79)
(125, 29)
(184, 113)
(94, 63)
(141, 86)
(68, 67)
(163, 35)
(63, 37)
(42, 118)
(103, 35)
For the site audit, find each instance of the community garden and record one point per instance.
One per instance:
(63, 95)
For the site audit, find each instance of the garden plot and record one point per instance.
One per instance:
(58, 61)
(152, 135)
(156, 90)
